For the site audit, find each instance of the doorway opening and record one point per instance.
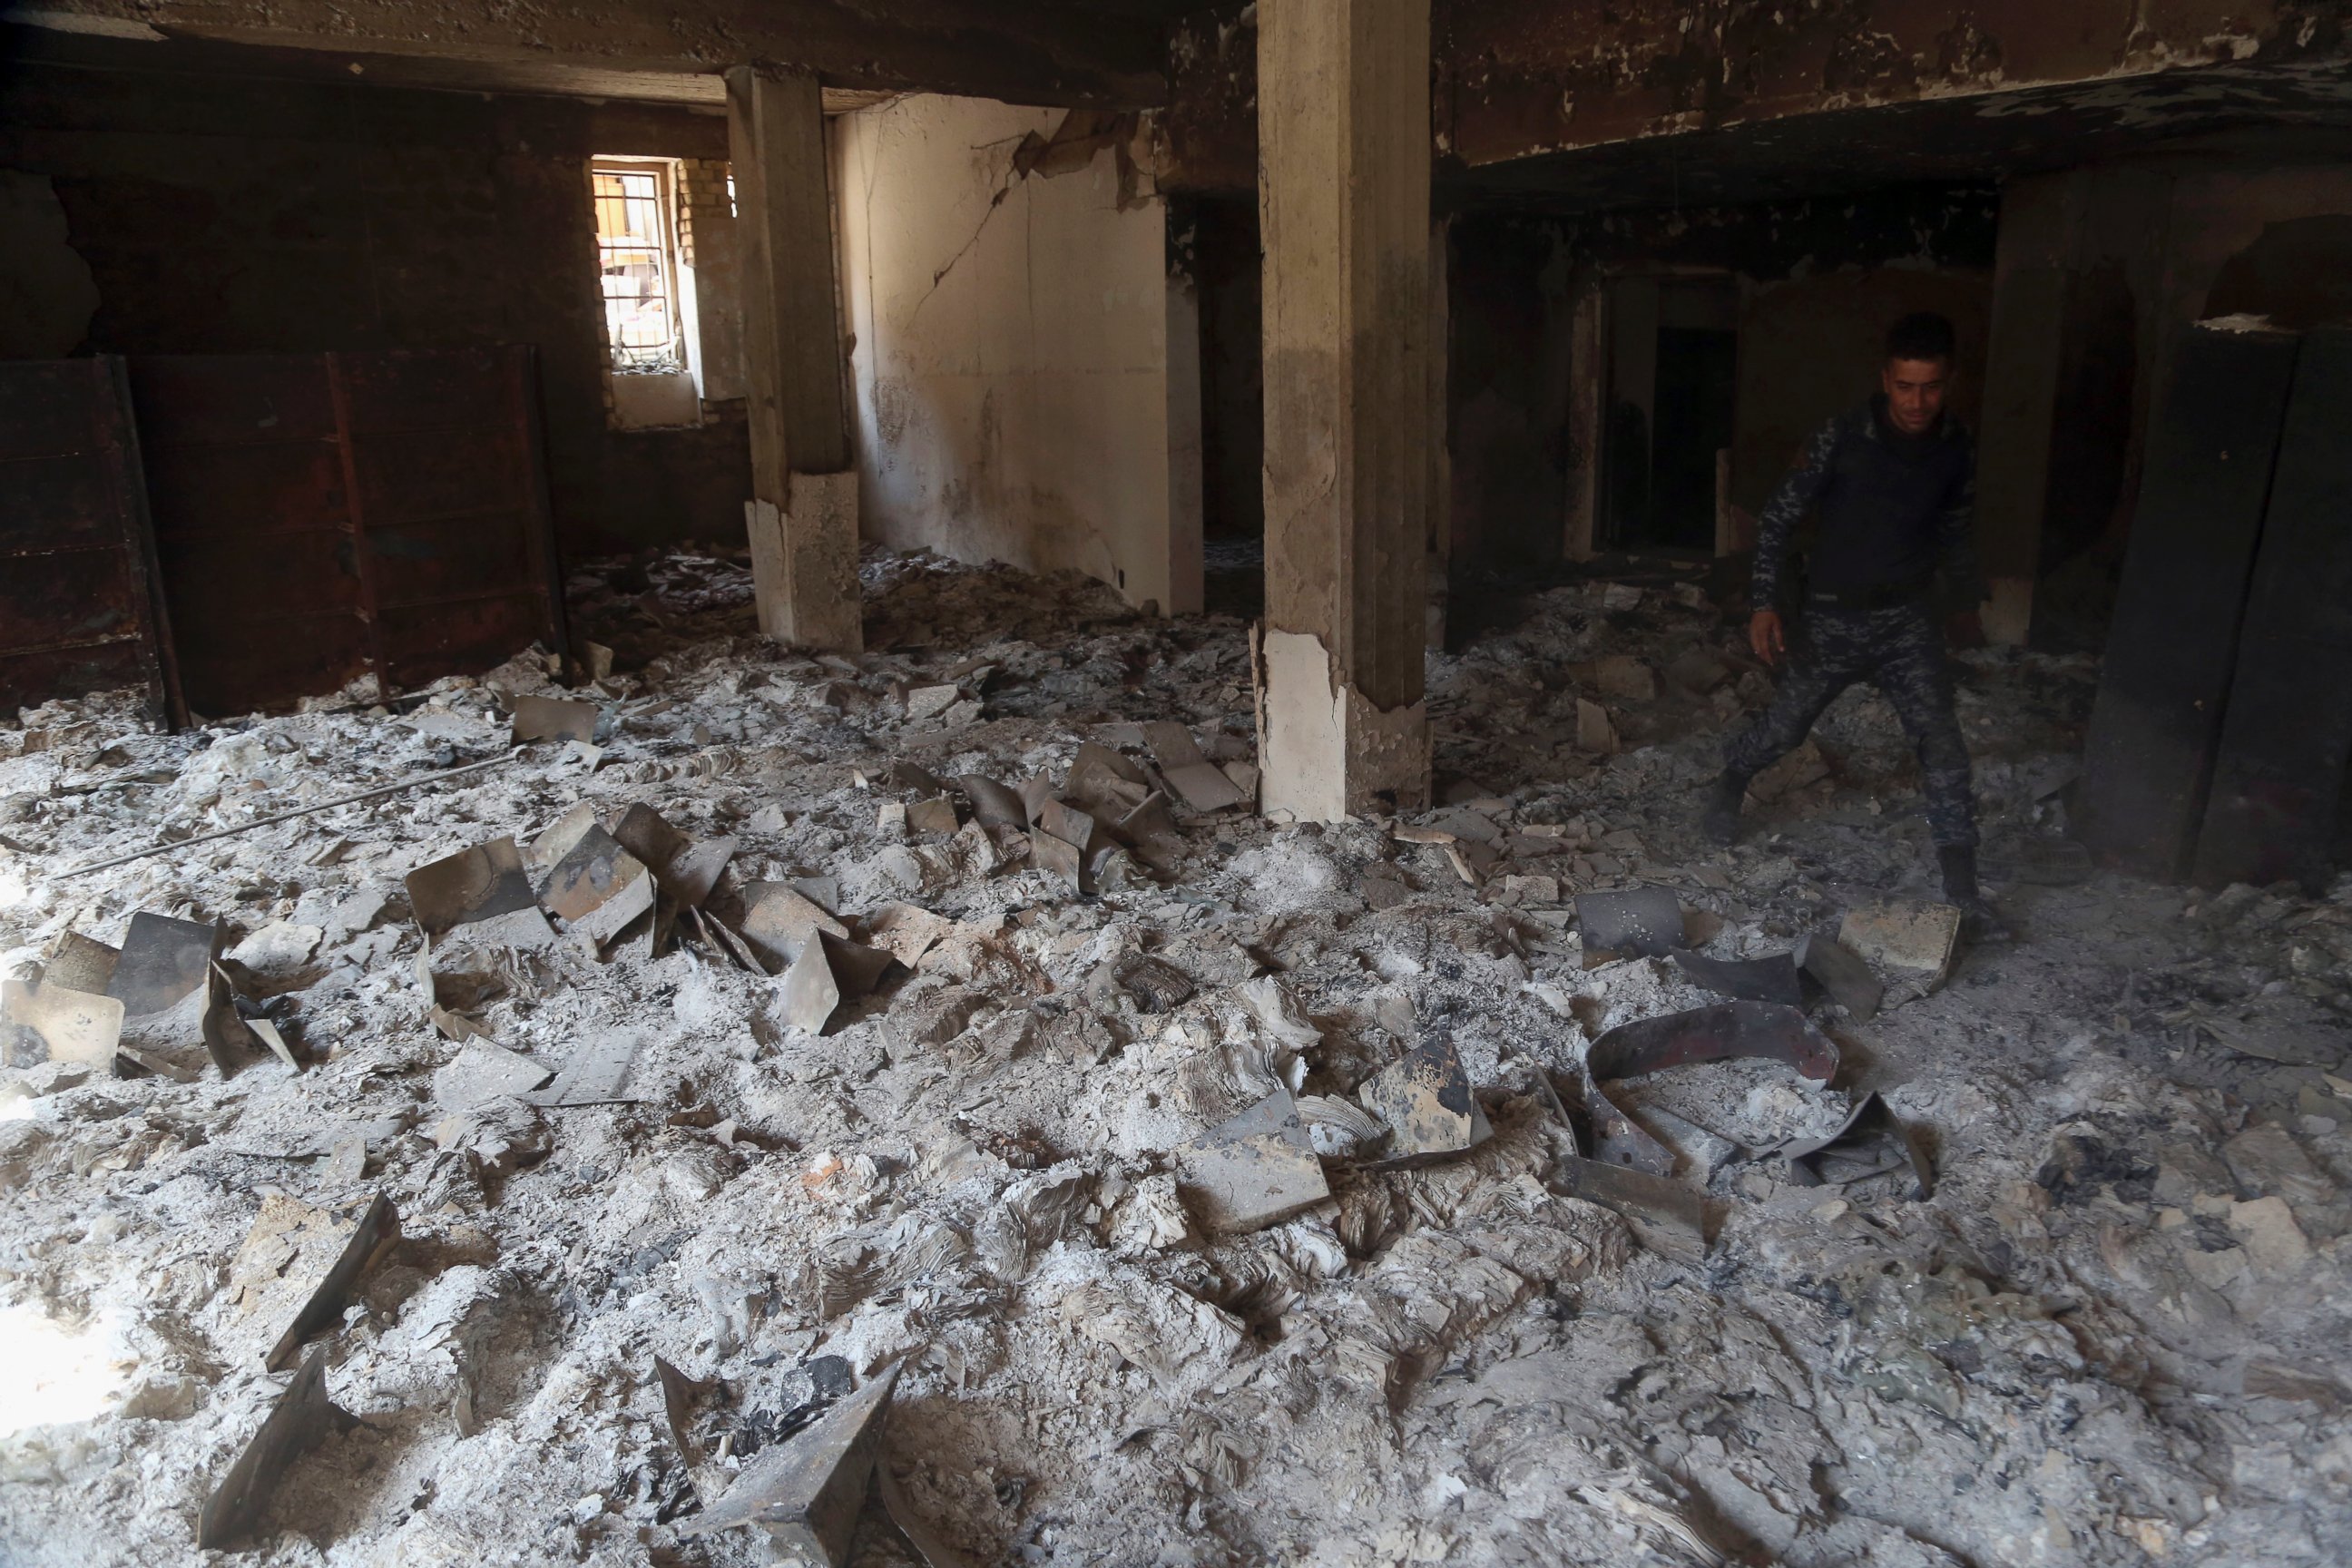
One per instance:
(1673, 368)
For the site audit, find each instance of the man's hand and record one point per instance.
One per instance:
(1764, 636)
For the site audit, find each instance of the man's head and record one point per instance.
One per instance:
(1917, 372)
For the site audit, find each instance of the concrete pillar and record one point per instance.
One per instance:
(1185, 563)
(1438, 487)
(1343, 197)
(803, 509)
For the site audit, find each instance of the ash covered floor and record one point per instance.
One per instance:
(2115, 1333)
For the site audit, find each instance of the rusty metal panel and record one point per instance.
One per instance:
(320, 516)
(446, 468)
(2287, 736)
(252, 525)
(77, 611)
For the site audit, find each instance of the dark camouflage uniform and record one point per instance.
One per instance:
(1901, 650)
(1898, 647)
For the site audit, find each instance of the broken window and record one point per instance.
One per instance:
(637, 261)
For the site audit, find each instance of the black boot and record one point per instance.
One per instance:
(1720, 819)
(1979, 922)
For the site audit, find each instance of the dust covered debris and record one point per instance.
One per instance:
(2113, 1334)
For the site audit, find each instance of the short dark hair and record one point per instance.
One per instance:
(1923, 334)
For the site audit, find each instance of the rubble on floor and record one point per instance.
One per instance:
(936, 1027)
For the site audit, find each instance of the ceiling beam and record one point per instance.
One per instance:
(662, 50)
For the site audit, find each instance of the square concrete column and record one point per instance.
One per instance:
(1343, 199)
(803, 515)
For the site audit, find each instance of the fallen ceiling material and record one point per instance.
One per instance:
(669, 1138)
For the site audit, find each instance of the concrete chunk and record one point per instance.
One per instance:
(1917, 941)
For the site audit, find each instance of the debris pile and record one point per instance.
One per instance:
(908, 1107)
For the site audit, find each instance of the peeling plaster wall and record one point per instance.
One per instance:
(245, 215)
(1012, 355)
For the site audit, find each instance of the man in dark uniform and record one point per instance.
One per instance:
(1892, 486)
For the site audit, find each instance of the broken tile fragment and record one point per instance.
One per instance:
(1773, 979)
(1645, 921)
(906, 931)
(596, 1073)
(931, 701)
(471, 886)
(72, 1025)
(162, 962)
(377, 1231)
(937, 815)
(1197, 782)
(165, 980)
(1067, 823)
(1871, 1141)
(1058, 857)
(1426, 1101)
(1625, 678)
(1151, 831)
(807, 1491)
(904, 774)
(79, 962)
(484, 1070)
(553, 718)
(1253, 1168)
(1841, 973)
(1595, 735)
(302, 1417)
(598, 888)
(828, 972)
(778, 917)
(991, 803)
(1102, 781)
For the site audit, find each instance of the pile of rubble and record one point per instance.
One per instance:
(907, 1106)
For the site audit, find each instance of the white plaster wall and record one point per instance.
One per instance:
(1012, 357)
